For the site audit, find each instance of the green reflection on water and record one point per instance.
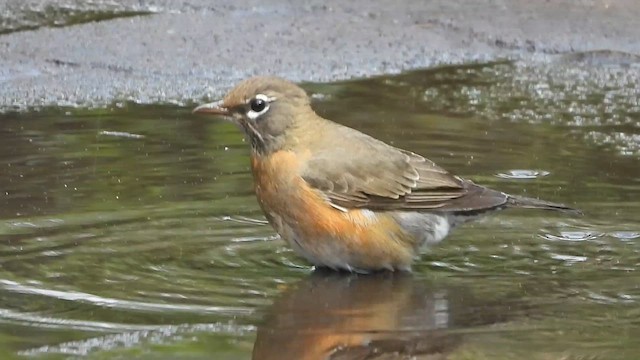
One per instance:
(133, 232)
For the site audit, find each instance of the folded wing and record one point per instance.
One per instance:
(378, 176)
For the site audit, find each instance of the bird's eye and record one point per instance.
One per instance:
(258, 106)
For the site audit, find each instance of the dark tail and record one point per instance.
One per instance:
(530, 203)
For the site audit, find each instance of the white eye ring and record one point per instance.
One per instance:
(258, 106)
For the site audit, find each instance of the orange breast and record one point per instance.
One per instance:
(325, 235)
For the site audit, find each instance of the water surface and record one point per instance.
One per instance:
(133, 232)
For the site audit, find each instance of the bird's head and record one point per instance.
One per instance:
(264, 108)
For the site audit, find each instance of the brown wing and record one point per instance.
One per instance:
(372, 175)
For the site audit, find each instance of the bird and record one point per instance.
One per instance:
(340, 198)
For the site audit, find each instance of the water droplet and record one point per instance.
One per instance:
(523, 174)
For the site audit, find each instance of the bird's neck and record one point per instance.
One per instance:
(306, 128)
(266, 146)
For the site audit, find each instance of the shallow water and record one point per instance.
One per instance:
(133, 232)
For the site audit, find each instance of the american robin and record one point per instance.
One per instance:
(343, 199)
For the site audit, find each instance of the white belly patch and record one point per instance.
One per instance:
(428, 229)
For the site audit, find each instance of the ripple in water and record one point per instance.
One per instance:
(523, 174)
(572, 236)
(625, 235)
(153, 335)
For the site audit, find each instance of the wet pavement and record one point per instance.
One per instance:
(96, 53)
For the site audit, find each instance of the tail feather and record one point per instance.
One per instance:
(531, 203)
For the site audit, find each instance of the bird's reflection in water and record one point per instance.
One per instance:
(379, 316)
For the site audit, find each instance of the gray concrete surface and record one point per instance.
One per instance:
(179, 52)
